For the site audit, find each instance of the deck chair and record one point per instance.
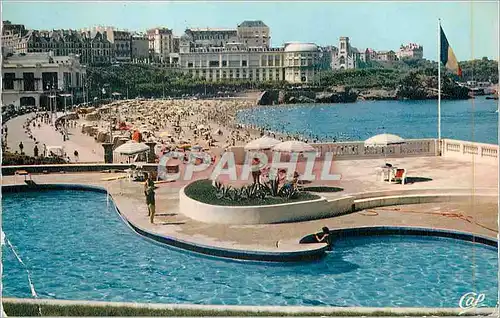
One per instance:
(400, 176)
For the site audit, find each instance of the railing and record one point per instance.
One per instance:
(467, 150)
(352, 150)
(358, 150)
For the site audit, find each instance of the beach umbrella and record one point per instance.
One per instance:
(131, 148)
(201, 127)
(262, 143)
(197, 148)
(383, 140)
(184, 146)
(165, 134)
(293, 146)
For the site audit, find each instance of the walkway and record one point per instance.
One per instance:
(88, 149)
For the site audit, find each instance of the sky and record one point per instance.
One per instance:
(471, 27)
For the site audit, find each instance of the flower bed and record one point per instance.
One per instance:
(204, 191)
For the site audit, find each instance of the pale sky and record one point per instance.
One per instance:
(471, 29)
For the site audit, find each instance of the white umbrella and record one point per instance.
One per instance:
(383, 140)
(262, 143)
(131, 148)
(293, 146)
(201, 127)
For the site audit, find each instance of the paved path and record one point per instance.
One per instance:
(88, 149)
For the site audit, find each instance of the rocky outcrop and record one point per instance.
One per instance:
(300, 100)
(336, 97)
(378, 94)
(264, 98)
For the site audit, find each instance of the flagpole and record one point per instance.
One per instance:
(439, 82)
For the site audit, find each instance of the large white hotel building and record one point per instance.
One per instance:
(293, 63)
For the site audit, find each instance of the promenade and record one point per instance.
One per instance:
(88, 149)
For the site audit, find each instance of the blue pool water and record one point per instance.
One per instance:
(472, 120)
(77, 247)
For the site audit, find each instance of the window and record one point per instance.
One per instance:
(224, 63)
(9, 80)
(29, 81)
(190, 64)
(49, 79)
(213, 64)
(243, 63)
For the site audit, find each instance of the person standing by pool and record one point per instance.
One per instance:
(151, 202)
(35, 151)
(325, 237)
(149, 187)
(21, 147)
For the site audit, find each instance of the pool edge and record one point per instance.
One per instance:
(264, 256)
(483, 311)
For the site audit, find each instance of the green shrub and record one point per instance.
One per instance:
(13, 159)
(206, 192)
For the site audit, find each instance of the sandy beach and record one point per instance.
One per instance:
(210, 124)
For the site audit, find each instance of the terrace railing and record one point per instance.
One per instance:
(358, 150)
(469, 150)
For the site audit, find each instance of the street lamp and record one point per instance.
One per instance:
(65, 95)
(117, 95)
(52, 105)
(65, 128)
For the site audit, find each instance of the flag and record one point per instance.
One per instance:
(448, 57)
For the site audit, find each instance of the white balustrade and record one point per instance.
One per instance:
(468, 150)
(411, 148)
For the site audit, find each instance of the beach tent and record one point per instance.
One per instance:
(136, 136)
(293, 146)
(263, 143)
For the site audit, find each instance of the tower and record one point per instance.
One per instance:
(344, 50)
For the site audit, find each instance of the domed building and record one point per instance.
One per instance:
(301, 62)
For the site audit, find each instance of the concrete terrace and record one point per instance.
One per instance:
(477, 216)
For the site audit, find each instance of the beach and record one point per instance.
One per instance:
(210, 124)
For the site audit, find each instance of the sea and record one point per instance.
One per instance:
(469, 120)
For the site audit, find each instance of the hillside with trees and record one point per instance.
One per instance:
(146, 80)
(408, 78)
(482, 70)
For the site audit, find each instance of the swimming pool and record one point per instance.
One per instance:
(77, 247)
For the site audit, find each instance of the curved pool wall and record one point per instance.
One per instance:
(403, 230)
(292, 256)
(96, 257)
(309, 254)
